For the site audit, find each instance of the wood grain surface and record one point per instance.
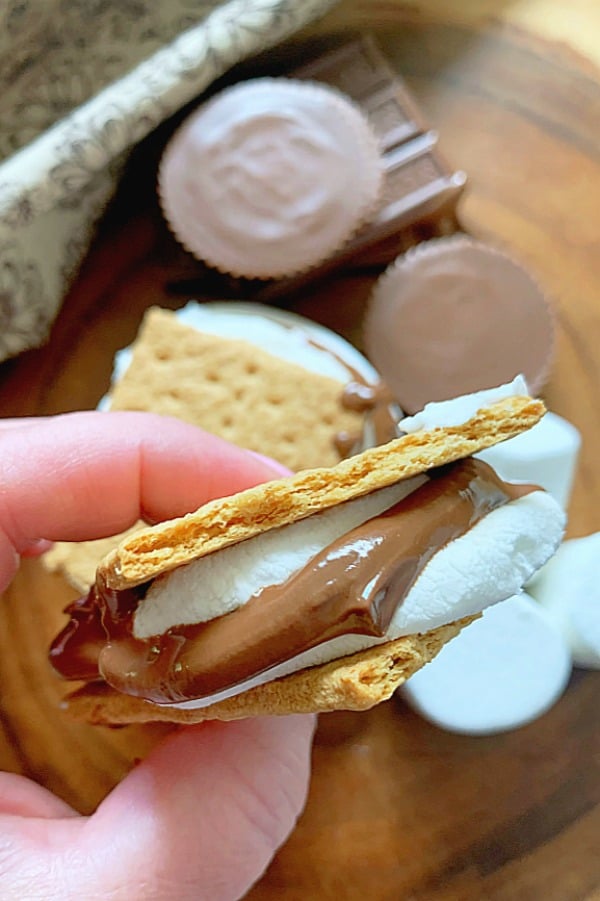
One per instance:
(398, 809)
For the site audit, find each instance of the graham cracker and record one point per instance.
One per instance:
(235, 390)
(356, 682)
(220, 523)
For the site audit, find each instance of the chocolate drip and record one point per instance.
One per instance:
(75, 651)
(374, 400)
(100, 616)
(355, 585)
(381, 416)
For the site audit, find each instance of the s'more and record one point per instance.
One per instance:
(325, 590)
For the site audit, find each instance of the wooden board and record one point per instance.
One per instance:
(398, 809)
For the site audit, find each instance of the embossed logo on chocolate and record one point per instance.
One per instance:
(272, 167)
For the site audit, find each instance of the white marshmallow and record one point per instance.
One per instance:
(568, 587)
(227, 579)
(489, 563)
(545, 455)
(501, 672)
(446, 413)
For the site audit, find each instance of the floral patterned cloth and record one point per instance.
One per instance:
(81, 81)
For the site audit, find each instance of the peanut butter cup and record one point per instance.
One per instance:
(270, 177)
(453, 316)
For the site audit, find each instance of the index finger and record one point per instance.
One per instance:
(88, 475)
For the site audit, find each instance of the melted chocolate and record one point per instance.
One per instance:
(381, 423)
(75, 651)
(374, 400)
(355, 585)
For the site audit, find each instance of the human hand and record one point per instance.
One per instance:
(202, 816)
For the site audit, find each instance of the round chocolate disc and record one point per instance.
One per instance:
(270, 177)
(453, 316)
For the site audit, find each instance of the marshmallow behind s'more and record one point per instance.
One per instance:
(322, 591)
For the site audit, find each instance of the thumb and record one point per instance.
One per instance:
(202, 817)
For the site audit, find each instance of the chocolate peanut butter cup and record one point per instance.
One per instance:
(453, 316)
(270, 177)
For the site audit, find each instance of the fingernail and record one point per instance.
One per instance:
(37, 547)
(278, 468)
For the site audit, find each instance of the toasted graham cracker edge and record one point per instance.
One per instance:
(356, 682)
(227, 521)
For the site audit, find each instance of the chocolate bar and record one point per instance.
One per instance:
(418, 181)
(360, 70)
(418, 185)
